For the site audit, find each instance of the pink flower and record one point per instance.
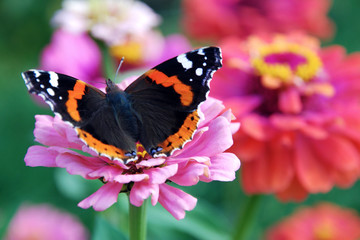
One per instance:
(202, 159)
(74, 54)
(43, 222)
(221, 18)
(299, 109)
(324, 221)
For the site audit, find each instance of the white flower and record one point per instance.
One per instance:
(113, 21)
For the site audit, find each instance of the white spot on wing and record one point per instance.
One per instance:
(54, 79)
(201, 51)
(185, 62)
(42, 86)
(37, 74)
(50, 92)
(199, 71)
(42, 96)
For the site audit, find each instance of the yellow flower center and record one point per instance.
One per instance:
(131, 51)
(324, 231)
(140, 151)
(286, 63)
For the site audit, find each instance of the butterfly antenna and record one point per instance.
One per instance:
(118, 69)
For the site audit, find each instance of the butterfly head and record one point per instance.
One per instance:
(111, 87)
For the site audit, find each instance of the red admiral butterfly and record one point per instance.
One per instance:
(159, 109)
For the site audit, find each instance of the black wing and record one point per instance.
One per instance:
(167, 97)
(86, 108)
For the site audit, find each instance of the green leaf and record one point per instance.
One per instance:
(204, 222)
(104, 230)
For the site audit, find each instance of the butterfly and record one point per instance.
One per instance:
(160, 109)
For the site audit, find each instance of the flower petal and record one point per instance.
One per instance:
(126, 178)
(161, 174)
(141, 191)
(152, 162)
(41, 156)
(176, 201)
(313, 174)
(107, 172)
(216, 140)
(256, 126)
(341, 148)
(245, 147)
(270, 172)
(210, 109)
(234, 126)
(294, 192)
(103, 198)
(287, 122)
(78, 164)
(64, 129)
(189, 174)
(223, 167)
(290, 101)
(46, 134)
(241, 105)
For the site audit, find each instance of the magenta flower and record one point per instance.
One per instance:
(43, 222)
(202, 159)
(74, 54)
(299, 108)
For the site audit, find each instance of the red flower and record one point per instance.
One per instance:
(221, 18)
(322, 222)
(299, 109)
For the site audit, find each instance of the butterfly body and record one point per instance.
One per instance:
(122, 109)
(159, 109)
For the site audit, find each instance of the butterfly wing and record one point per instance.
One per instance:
(86, 109)
(167, 97)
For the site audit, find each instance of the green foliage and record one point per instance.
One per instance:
(105, 230)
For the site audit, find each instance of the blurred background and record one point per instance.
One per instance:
(25, 30)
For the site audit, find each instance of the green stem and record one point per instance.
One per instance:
(137, 221)
(247, 217)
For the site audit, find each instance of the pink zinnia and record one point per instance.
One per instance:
(73, 54)
(202, 159)
(323, 222)
(299, 109)
(43, 222)
(216, 19)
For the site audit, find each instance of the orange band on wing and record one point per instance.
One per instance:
(185, 133)
(186, 95)
(74, 95)
(102, 148)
